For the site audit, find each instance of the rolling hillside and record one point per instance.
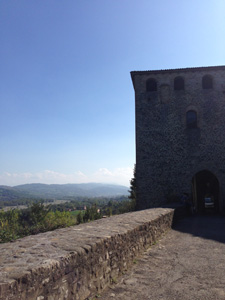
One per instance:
(61, 191)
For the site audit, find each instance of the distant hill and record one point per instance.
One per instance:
(61, 191)
(8, 193)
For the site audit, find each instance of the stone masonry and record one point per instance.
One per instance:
(78, 262)
(180, 140)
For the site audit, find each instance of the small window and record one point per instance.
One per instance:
(151, 85)
(178, 83)
(191, 119)
(207, 82)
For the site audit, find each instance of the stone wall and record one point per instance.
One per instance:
(168, 153)
(78, 262)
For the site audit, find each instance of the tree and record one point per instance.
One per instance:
(80, 218)
(132, 191)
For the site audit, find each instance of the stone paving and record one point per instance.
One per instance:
(188, 264)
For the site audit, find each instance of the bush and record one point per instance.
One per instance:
(37, 218)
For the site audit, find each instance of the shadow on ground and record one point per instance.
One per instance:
(206, 226)
(187, 263)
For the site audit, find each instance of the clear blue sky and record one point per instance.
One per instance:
(66, 97)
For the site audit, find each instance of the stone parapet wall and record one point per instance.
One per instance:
(78, 262)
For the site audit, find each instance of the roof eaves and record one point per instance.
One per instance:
(193, 69)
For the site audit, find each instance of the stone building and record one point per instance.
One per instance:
(180, 135)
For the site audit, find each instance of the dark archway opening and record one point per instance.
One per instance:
(207, 82)
(178, 83)
(205, 190)
(151, 85)
(191, 119)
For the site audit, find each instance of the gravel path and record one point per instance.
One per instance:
(188, 264)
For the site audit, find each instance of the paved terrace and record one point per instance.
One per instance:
(188, 264)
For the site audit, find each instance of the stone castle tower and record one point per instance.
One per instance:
(180, 135)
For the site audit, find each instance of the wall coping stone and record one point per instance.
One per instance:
(75, 262)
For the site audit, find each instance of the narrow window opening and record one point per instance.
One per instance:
(191, 119)
(151, 85)
(178, 83)
(207, 82)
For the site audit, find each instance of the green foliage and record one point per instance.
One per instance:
(80, 218)
(107, 206)
(34, 215)
(37, 218)
(59, 220)
(108, 211)
(9, 225)
(91, 214)
(133, 191)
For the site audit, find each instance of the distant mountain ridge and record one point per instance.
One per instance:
(60, 191)
(8, 193)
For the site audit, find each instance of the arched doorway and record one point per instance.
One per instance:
(205, 190)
